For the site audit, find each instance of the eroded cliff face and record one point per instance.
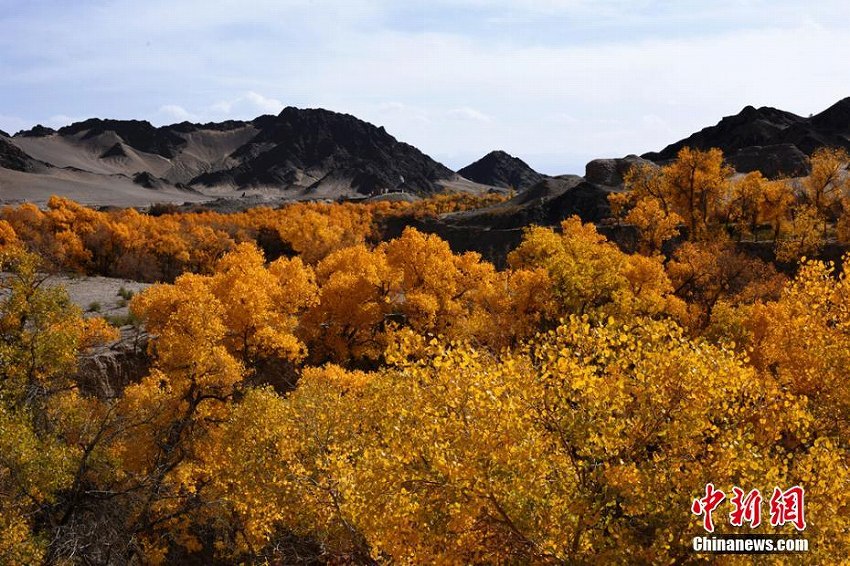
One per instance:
(107, 370)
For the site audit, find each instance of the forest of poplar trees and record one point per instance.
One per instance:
(338, 397)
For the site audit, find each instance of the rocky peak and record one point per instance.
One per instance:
(138, 134)
(330, 146)
(500, 169)
(836, 118)
(773, 141)
(37, 131)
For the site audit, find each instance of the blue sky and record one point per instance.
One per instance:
(555, 82)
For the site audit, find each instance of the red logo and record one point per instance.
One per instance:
(706, 505)
(785, 507)
(746, 508)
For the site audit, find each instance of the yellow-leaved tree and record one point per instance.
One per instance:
(588, 445)
(692, 189)
(210, 334)
(590, 275)
(45, 424)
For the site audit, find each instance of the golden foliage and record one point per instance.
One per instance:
(655, 227)
(571, 449)
(148, 247)
(563, 410)
(592, 276)
(827, 182)
(41, 334)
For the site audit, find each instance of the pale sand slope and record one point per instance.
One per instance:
(120, 191)
(86, 188)
(205, 150)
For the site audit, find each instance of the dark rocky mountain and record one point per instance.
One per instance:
(138, 134)
(770, 140)
(834, 120)
(36, 131)
(315, 153)
(328, 147)
(312, 151)
(186, 127)
(14, 158)
(4, 134)
(750, 127)
(500, 169)
(778, 160)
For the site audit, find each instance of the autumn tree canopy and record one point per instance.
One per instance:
(317, 394)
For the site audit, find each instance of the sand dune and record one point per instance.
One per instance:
(85, 187)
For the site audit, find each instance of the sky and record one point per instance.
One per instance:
(554, 82)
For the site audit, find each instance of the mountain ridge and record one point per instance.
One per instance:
(774, 141)
(298, 153)
(314, 153)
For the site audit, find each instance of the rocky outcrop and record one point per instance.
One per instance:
(833, 120)
(774, 161)
(13, 157)
(330, 148)
(186, 127)
(750, 127)
(107, 370)
(772, 141)
(546, 204)
(117, 150)
(495, 230)
(610, 172)
(500, 169)
(138, 134)
(37, 131)
(148, 181)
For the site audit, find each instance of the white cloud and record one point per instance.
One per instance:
(222, 107)
(392, 107)
(177, 112)
(267, 105)
(468, 114)
(397, 112)
(246, 105)
(562, 118)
